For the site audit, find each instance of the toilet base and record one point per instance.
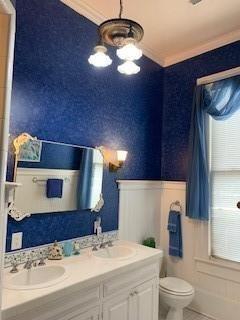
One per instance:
(175, 314)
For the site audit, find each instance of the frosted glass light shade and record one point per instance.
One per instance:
(129, 51)
(100, 59)
(128, 68)
(121, 155)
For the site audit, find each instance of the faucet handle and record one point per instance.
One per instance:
(14, 265)
(110, 243)
(41, 259)
(95, 247)
(103, 245)
(41, 262)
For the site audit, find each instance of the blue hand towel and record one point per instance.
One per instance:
(175, 234)
(54, 188)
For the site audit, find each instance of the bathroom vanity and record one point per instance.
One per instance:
(121, 284)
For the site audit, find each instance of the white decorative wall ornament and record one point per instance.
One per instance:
(12, 210)
(99, 204)
(15, 213)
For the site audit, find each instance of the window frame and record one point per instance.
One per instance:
(209, 154)
(204, 261)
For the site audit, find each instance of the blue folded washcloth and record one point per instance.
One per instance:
(54, 188)
(175, 234)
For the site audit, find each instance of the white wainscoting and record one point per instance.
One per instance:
(139, 209)
(144, 205)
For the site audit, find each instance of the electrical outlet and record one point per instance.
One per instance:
(16, 241)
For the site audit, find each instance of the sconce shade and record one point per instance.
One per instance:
(121, 155)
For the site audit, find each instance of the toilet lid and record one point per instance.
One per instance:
(175, 285)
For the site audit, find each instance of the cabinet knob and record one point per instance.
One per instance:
(133, 293)
(238, 204)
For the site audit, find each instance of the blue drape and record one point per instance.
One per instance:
(85, 180)
(219, 100)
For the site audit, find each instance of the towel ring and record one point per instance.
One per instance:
(176, 204)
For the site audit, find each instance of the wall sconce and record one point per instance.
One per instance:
(121, 158)
(114, 159)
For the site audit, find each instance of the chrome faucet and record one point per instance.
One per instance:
(28, 265)
(108, 243)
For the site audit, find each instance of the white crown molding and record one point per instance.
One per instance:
(219, 76)
(86, 10)
(208, 46)
(6, 7)
(95, 16)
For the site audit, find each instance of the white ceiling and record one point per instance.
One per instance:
(174, 29)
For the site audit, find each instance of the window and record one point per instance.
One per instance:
(224, 158)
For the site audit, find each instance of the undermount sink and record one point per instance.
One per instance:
(36, 278)
(117, 252)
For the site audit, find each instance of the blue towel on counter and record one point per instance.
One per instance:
(175, 234)
(54, 188)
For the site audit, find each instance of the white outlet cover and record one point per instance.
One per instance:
(16, 241)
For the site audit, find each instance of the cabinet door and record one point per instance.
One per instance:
(146, 301)
(92, 314)
(86, 316)
(118, 308)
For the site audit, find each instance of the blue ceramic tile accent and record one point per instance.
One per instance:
(58, 96)
(179, 81)
(21, 256)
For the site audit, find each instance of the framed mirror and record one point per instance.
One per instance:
(56, 177)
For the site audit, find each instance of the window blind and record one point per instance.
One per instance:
(225, 187)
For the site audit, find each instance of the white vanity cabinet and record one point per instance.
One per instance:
(125, 294)
(141, 303)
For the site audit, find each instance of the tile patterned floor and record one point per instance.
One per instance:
(189, 315)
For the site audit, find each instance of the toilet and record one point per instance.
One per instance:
(176, 294)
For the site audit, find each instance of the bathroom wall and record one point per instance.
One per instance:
(214, 280)
(179, 82)
(58, 96)
(217, 282)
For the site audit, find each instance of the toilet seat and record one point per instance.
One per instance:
(175, 286)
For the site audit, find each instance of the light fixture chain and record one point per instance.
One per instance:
(121, 9)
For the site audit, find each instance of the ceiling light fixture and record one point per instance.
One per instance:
(124, 34)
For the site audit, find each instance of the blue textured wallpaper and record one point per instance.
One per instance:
(179, 82)
(58, 96)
